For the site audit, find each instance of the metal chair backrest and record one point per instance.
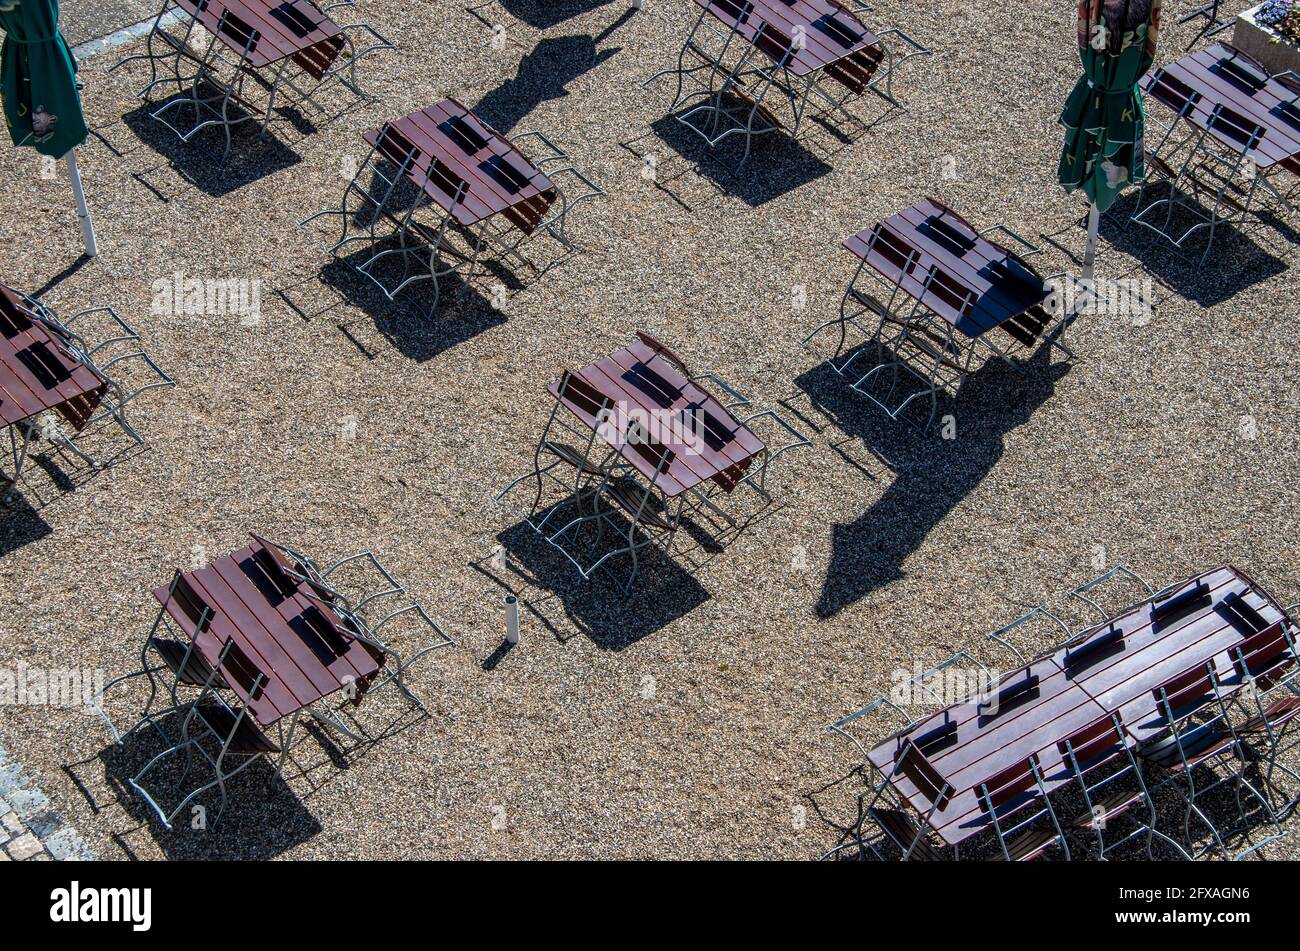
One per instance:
(1010, 785)
(659, 348)
(1015, 798)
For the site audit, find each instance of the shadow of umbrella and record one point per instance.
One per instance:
(543, 75)
(544, 14)
(934, 475)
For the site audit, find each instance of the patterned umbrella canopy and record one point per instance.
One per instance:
(38, 79)
(1103, 117)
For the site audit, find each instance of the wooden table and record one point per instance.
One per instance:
(282, 628)
(38, 370)
(833, 39)
(937, 259)
(271, 31)
(967, 748)
(641, 383)
(1154, 653)
(1075, 688)
(1227, 92)
(465, 166)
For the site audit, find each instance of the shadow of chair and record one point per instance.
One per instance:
(252, 157)
(544, 581)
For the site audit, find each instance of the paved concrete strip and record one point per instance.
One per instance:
(29, 829)
(123, 36)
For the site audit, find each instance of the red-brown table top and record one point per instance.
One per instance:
(284, 28)
(292, 637)
(978, 284)
(453, 147)
(38, 371)
(830, 33)
(641, 384)
(1214, 78)
(1154, 654)
(967, 749)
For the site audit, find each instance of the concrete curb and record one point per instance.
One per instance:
(29, 829)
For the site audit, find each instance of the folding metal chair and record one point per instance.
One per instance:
(911, 701)
(120, 358)
(178, 47)
(119, 346)
(517, 227)
(1112, 788)
(373, 607)
(1267, 664)
(900, 822)
(635, 511)
(1200, 738)
(1012, 636)
(174, 655)
(215, 719)
(1213, 25)
(1017, 803)
(377, 188)
(567, 455)
(896, 824)
(221, 98)
(742, 101)
(1099, 594)
(336, 62)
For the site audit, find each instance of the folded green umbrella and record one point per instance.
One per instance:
(38, 81)
(1104, 120)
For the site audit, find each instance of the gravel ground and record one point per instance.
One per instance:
(688, 720)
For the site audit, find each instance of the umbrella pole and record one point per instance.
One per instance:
(1090, 253)
(83, 212)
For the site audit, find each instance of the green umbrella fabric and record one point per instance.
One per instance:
(1104, 119)
(38, 79)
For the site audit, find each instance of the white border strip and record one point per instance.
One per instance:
(125, 35)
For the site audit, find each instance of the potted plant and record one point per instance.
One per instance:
(1270, 32)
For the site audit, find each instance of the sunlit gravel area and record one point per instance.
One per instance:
(689, 718)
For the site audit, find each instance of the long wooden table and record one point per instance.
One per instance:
(1077, 687)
